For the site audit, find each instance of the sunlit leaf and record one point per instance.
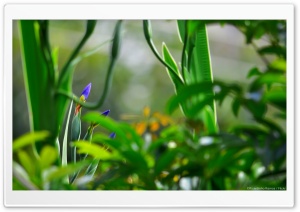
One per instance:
(93, 150)
(47, 157)
(279, 64)
(277, 98)
(169, 60)
(209, 119)
(29, 138)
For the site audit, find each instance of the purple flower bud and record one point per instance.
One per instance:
(105, 113)
(112, 135)
(86, 91)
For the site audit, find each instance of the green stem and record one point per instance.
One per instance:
(64, 73)
(146, 26)
(109, 75)
(183, 55)
(45, 46)
(106, 89)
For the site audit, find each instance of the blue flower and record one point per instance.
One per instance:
(84, 95)
(112, 135)
(105, 113)
(86, 91)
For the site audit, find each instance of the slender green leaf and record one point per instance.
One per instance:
(57, 145)
(114, 144)
(75, 134)
(209, 119)
(38, 80)
(181, 29)
(169, 60)
(94, 150)
(92, 168)
(148, 36)
(55, 53)
(105, 122)
(64, 160)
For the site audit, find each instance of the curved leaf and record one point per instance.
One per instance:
(171, 62)
(93, 150)
(29, 138)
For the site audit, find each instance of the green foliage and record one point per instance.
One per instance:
(28, 139)
(191, 153)
(195, 68)
(44, 86)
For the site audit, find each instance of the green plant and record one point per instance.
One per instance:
(48, 93)
(47, 89)
(195, 68)
(161, 152)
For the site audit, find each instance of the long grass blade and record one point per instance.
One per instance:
(65, 140)
(38, 85)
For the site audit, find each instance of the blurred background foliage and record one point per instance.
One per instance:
(140, 80)
(248, 63)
